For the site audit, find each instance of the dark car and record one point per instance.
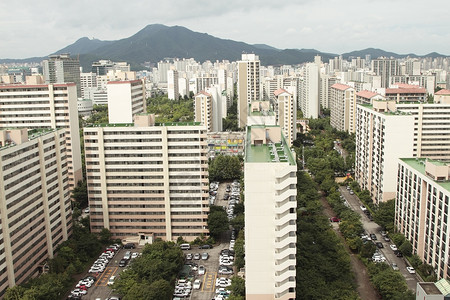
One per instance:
(399, 254)
(373, 236)
(129, 246)
(379, 245)
(205, 247)
(123, 263)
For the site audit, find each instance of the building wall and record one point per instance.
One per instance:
(148, 179)
(45, 106)
(125, 99)
(421, 214)
(35, 205)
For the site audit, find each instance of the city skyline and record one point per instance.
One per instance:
(333, 27)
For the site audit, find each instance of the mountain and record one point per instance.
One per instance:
(157, 42)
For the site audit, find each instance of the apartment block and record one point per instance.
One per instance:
(270, 215)
(286, 108)
(35, 205)
(386, 68)
(342, 107)
(387, 131)
(203, 110)
(367, 97)
(309, 95)
(125, 99)
(147, 178)
(45, 106)
(172, 85)
(421, 210)
(406, 93)
(248, 85)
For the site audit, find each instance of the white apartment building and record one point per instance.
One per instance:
(203, 110)
(421, 210)
(172, 85)
(125, 99)
(45, 106)
(387, 131)
(248, 85)
(309, 96)
(270, 215)
(386, 68)
(342, 107)
(286, 108)
(148, 179)
(367, 97)
(87, 82)
(35, 205)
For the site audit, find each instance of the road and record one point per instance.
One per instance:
(372, 227)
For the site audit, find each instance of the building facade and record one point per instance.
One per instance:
(35, 205)
(421, 210)
(343, 107)
(286, 108)
(126, 99)
(203, 110)
(61, 68)
(45, 106)
(148, 178)
(270, 215)
(248, 85)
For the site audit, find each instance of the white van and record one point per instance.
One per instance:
(185, 247)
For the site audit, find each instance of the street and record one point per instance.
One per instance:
(372, 227)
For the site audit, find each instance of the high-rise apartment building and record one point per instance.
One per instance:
(286, 109)
(248, 85)
(125, 99)
(203, 110)
(62, 68)
(45, 106)
(421, 210)
(385, 67)
(35, 206)
(172, 85)
(309, 96)
(270, 215)
(367, 97)
(387, 131)
(148, 179)
(343, 107)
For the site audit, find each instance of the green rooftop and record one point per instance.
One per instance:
(275, 151)
(418, 164)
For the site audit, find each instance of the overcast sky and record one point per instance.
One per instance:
(37, 28)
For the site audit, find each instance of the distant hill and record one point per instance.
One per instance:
(157, 42)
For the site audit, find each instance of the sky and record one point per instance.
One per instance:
(30, 28)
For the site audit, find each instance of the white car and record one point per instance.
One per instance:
(79, 292)
(393, 247)
(411, 270)
(134, 255)
(111, 280)
(197, 284)
(201, 270)
(223, 282)
(87, 210)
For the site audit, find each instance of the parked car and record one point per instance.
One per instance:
(123, 263)
(201, 270)
(188, 256)
(335, 219)
(373, 236)
(393, 247)
(197, 256)
(87, 210)
(129, 246)
(111, 280)
(395, 267)
(205, 247)
(411, 270)
(205, 256)
(197, 284)
(399, 254)
(379, 245)
(386, 239)
(134, 254)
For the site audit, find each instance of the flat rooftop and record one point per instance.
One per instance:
(430, 288)
(271, 149)
(418, 164)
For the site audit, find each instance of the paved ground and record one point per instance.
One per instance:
(372, 227)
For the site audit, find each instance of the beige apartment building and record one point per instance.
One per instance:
(203, 107)
(343, 107)
(270, 179)
(45, 106)
(126, 98)
(35, 206)
(286, 108)
(387, 131)
(249, 88)
(421, 210)
(148, 179)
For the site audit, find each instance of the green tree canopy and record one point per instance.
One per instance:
(217, 221)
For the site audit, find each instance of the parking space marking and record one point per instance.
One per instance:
(209, 281)
(103, 279)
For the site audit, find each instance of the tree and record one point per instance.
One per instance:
(105, 236)
(237, 286)
(225, 167)
(406, 248)
(238, 222)
(217, 221)
(384, 215)
(80, 195)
